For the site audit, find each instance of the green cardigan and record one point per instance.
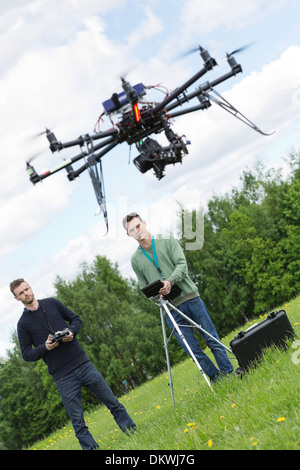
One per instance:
(172, 263)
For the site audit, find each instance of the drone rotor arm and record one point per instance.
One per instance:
(199, 91)
(84, 138)
(205, 105)
(180, 90)
(66, 164)
(35, 178)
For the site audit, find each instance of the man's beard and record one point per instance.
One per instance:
(29, 300)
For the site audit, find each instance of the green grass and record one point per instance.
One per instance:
(260, 411)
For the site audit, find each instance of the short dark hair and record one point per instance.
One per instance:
(14, 284)
(129, 217)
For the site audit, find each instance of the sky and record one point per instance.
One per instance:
(61, 59)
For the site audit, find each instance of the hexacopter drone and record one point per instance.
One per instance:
(137, 120)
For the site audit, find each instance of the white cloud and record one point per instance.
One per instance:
(202, 18)
(27, 213)
(148, 27)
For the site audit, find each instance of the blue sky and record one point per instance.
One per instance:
(61, 59)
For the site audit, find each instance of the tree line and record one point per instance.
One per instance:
(249, 264)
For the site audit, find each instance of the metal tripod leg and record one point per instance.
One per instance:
(163, 304)
(196, 325)
(167, 354)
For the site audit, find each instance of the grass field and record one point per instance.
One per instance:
(259, 411)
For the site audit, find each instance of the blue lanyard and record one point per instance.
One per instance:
(155, 262)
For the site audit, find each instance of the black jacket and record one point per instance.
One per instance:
(33, 329)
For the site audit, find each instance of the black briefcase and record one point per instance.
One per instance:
(274, 330)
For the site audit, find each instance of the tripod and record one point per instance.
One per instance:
(164, 305)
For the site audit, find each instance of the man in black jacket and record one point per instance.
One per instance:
(67, 362)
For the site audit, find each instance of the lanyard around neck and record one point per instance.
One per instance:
(39, 320)
(155, 262)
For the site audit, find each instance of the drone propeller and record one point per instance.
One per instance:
(240, 49)
(33, 157)
(39, 134)
(228, 55)
(208, 60)
(125, 73)
(189, 52)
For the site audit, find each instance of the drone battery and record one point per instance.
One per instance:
(248, 345)
(110, 105)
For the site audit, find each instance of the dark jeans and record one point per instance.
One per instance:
(197, 311)
(69, 388)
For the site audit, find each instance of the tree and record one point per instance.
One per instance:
(249, 262)
(23, 411)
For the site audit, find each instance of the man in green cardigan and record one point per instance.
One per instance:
(162, 258)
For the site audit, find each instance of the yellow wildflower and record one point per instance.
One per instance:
(279, 420)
